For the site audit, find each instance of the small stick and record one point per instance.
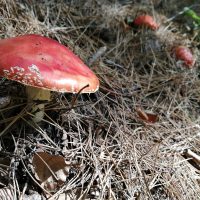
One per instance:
(193, 155)
(73, 102)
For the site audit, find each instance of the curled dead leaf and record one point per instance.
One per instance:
(147, 116)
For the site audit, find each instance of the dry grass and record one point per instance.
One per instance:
(119, 156)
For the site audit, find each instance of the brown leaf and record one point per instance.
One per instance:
(147, 116)
(50, 170)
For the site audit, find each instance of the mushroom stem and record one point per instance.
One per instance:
(37, 94)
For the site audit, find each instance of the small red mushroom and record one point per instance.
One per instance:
(44, 65)
(146, 20)
(185, 54)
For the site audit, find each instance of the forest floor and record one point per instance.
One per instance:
(138, 136)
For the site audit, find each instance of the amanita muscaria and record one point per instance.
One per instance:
(44, 65)
(185, 54)
(146, 20)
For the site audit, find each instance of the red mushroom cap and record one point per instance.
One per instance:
(42, 62)
(146, 20)
(185, 54)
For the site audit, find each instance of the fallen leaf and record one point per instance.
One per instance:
(50, 170)
(147, 116)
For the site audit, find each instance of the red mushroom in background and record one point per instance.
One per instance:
(44, 65)
(185, 54)
(146, 20)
